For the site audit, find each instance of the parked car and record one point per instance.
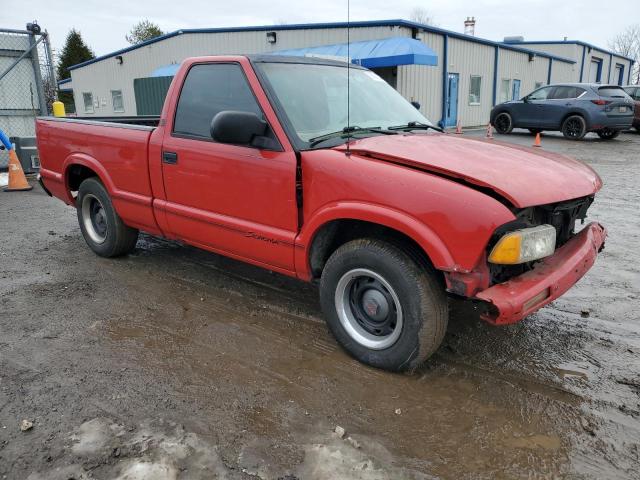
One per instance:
(254, 158)
(572, 108)
(634, 92)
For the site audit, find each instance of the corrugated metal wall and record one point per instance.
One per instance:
(564, 72)
(467, 59)
(574, 52)
(101, 77)
(517, 66)
(422, 83)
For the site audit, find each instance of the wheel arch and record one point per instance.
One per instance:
(78, 167)
(579, 113)
(335, 226)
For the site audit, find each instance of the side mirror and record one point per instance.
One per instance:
(525, 99)
(416, 105)
(239, 128)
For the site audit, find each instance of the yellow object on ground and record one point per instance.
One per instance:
(58, 109)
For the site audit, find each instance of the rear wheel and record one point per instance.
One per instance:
(608, 134)
(101, 226)
(503, 123)
(574, 127)
(384, 308)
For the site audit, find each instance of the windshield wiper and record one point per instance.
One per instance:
(347, 132)
(416, 126)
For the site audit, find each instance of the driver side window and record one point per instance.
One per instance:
(540, 94)
(207, 90)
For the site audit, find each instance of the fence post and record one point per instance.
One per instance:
(38, 74)
(52, 70)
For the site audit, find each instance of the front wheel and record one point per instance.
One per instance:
(608, 134)
(503, 123)
(574, 127)
(102, 227)
(385, 309)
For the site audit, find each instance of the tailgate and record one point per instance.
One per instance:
(619, 103)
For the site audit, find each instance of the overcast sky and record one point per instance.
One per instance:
(104, 23)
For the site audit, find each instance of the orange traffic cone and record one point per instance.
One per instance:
(458, 128)
(489, 131)
(17, 180)
(537, 141)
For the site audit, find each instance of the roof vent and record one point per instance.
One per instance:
(514, 39)
(470, 26)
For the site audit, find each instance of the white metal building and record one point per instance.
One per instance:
(472, 74)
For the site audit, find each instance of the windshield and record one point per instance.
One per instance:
(314, 98)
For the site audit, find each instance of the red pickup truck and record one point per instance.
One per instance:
(259, 158)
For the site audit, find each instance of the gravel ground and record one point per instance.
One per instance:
(174, 363)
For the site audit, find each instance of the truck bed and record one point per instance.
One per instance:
(115, 148)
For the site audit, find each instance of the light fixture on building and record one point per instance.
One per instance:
(271, 37)
(532, 57)
(119, 59)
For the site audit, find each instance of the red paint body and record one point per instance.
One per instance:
(241, 201)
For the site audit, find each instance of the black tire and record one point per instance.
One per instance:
(608, 134)
(503, 123)
(574, 127)
(421, 313)
(102, 228)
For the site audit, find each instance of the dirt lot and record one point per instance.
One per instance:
(176, 363)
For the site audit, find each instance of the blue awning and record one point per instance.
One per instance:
(388, 52)
(166, 70)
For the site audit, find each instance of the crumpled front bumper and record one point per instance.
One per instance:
(511, 301)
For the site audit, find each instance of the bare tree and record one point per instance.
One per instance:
(422, 15)
(627, 43)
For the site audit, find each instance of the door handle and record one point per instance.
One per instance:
(170, 157)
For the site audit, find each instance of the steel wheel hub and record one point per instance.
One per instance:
(94, 218)
(369, 309)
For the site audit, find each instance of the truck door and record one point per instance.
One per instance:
(232, 199)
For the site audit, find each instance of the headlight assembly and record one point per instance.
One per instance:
(524, 245)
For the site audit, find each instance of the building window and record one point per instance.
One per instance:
(595, 72)
(474, 90)
(87, 98)
(117, 101)
(505, 90)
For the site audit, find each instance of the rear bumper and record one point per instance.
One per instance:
(511, 301)
(42, 185)
(613, 122)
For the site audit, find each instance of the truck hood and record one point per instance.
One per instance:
(523, 176)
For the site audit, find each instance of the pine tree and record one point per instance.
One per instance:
(74, 51)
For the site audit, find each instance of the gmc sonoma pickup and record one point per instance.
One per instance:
(258, 158)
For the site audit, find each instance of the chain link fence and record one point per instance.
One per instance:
(27, 82)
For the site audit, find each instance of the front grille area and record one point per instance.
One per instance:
(562, 216)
